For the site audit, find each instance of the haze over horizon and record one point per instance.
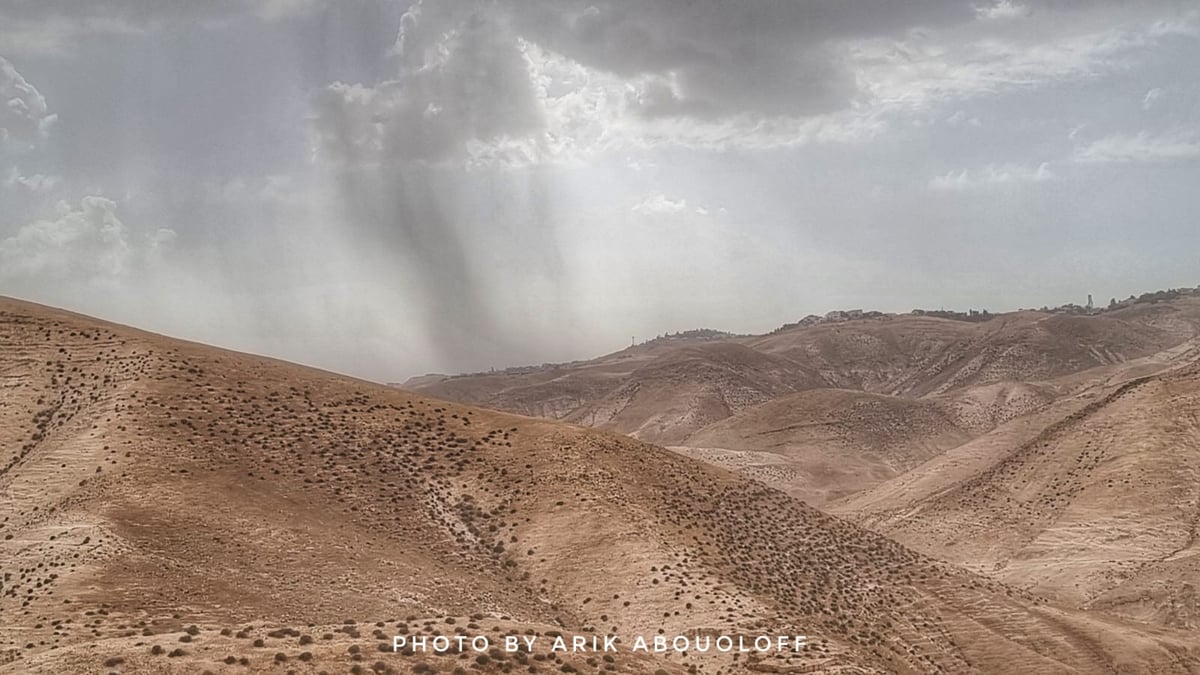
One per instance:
(386, 188)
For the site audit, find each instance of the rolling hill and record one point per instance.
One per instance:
(825, 409)
(823, 444)
(172, 507)
(693, 382)
(1093, 500)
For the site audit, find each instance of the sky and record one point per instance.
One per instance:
(386, 188)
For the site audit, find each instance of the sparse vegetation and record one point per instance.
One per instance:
(232, 483)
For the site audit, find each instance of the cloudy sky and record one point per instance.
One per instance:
(387, 187)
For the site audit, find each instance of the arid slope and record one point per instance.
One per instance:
(822, 411)
(1094, 500)
(171, 507)
(664, 390)
(826, 443)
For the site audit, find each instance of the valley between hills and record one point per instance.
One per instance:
(915, 494)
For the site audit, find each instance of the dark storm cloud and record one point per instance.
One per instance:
(463, 76)
(714, 58)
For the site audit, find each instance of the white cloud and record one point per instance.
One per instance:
(568, 101)
(659, 204)
(1141, 148)
(587, 112)
(24, 115)
(928, 69)
(85, 245)
(551, 95)
(991, 176)
(529, 105)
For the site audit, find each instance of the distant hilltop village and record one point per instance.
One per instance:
(694, 334)
(843, 315)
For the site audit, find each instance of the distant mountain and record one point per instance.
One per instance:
(665, 390)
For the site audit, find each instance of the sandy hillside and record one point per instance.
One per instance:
(1094, 500)
(826, 443)
(171, 507)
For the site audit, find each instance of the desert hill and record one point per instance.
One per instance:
(920, 355)
(1093, 500)
(172, 507)
(660, 392)
(825, 443)
(687, 388)
(690, 383)
(827, 408)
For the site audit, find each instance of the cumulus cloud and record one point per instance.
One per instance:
(1141, 148)
(992, 176)
(24, 115)
(517, 82)
(463, 79)
(557, 79)
(589, 112)
(81, 245)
